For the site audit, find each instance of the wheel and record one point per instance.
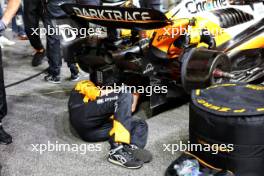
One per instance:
(200, 68)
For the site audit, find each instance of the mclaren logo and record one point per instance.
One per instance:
(112, 14)
(195, 6)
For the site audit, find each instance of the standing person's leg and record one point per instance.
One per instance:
(32, 10)
(32, 14)
(4, 137)
(53, 52)
(73, 67)
(18, 25)
(3, 40)
(14, 25)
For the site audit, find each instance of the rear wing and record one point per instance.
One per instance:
(118, 17)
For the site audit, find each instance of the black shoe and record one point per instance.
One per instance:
(38, 58)
(5, 138)
(140, 154)
(52, 79)
(120, 156)
(75, 77)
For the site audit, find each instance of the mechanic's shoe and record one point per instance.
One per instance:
(140, 154)
(6, 42)
(5, 138)
(38, 58)
(120, 156)
(22, 37)
(75, 77)
(52, 79)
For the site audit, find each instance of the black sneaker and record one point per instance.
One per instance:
(5, 138)
(120, 156)
(140, 154)
(38, 58)
(75, 77)
(52, 79)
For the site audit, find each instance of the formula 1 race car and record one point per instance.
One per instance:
(194, 45)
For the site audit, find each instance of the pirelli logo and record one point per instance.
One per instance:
(203, 102)
(213, 107)
(218, 108)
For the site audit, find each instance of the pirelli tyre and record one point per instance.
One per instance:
(228, 121)
(96, 129)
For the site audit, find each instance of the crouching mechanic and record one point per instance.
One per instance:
(128, 136)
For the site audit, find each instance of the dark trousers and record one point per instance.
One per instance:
(126, 129)
(33, 13)
(3, 104)
(53, 47)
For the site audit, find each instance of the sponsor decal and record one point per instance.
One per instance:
(107, 99)
(148, 69)
(196, 6)
(163, 37)
(115, 15)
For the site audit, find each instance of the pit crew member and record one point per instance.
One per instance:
(128, 136)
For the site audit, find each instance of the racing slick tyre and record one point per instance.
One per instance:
(199, 65)
(96, 128)
(227, 120)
